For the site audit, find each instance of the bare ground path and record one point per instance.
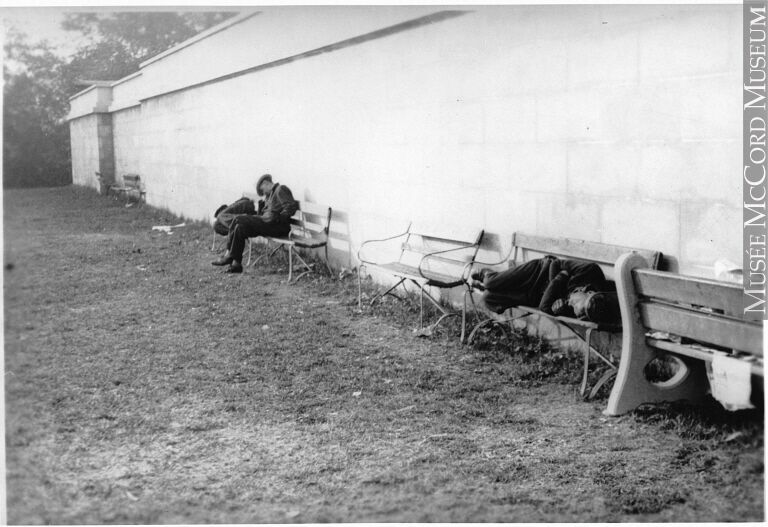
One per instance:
(143, 385)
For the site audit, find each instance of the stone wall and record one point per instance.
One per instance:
(618, 124)
(87, 149)
(126, 126)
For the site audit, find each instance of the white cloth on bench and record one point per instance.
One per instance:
(730, 382)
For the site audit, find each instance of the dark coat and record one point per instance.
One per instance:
(538, 283)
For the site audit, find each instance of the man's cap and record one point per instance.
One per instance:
(262, 179)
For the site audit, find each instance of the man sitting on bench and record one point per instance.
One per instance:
(557, 287)
(273, 219)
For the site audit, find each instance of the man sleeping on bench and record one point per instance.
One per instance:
(568, 288)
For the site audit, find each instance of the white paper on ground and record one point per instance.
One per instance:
(730, 381)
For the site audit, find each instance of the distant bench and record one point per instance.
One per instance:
(524, 246)
(130, 185)
(705, 315)
(426, 259)
(309, 230)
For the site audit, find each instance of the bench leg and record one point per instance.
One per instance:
(387, 292)
(464, 316)
(307, 267)
(257, 260)
(444, 312)
(587, 349)
(490, 321)
(360, 287)
(421, 308)
(607, 376)
(290, 263)
(328, 265)
(632, 388)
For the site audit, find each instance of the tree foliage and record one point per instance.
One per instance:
(35, 135)
(121, 41)
(38, 82)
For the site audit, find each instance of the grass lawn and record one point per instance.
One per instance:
(143, 385)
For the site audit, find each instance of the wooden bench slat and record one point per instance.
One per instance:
(452, 236)
(316, 209)
(581, 249)
(460, 256)
(411, 271)
(317, 219)
(702, 327)
(690, 351)
(611, 328)
(690, 290)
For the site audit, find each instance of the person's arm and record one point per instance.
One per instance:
(556, 289)
(288, 205)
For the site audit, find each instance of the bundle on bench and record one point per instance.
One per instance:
(426, 259)
(706, 316)
(526, 245)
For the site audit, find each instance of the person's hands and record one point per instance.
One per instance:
(476, 284)
(561, 308)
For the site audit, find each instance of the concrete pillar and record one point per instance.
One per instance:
(106, 151)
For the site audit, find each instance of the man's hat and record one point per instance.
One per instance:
(262, 179)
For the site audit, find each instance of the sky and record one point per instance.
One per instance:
(41, 23)
(44, 23)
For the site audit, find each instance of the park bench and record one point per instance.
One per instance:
(309, 230)
(526, 247)
(682, 317)
(426, 259)
(130, 186)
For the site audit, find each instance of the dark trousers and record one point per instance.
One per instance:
(249, 226)
(523, 285)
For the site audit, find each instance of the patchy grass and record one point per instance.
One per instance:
(145, 386)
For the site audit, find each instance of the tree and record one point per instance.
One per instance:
(35, 135)
(38, 83)
(121, 41)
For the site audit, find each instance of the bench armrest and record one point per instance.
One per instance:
(467, 266)
(503, 260)
(379, 240)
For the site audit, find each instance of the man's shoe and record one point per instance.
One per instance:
(224, 260)
(234, 268)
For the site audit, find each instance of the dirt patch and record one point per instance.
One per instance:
(145, 386)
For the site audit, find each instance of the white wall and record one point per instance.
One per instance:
(126, 129)
(618, 124)
(84, 143)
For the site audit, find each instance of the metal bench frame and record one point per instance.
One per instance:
(310, 227)
(460, 256)
(600, 253)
